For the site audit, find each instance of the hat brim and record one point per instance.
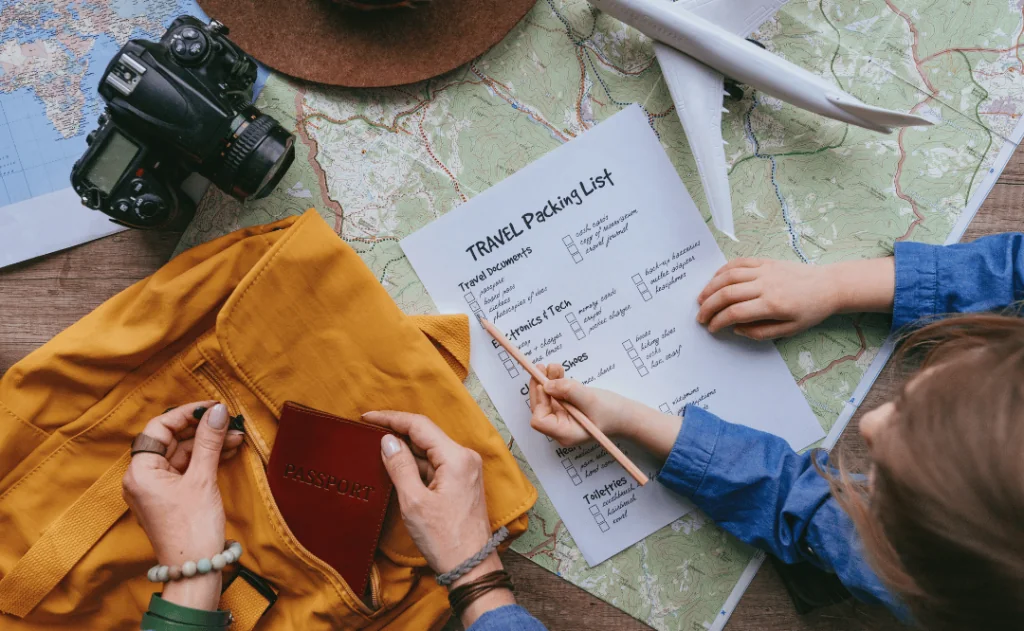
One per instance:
(318, 40)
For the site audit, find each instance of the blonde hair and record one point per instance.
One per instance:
(942, 521)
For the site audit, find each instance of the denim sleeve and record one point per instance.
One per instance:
(932, 280)
(757, 488)
(507, 618)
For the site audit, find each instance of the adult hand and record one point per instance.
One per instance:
(440, 491)
(175, 497)
(614, 414)
(764, 299)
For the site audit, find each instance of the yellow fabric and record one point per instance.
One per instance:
(64, 542)
(264, 315)
(451, 338)
(245, 603)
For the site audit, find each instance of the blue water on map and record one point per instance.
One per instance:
(35, 157)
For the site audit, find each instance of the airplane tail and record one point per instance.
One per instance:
(877, 115)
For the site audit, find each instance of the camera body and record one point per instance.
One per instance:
(174, 107)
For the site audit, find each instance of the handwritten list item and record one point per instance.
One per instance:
(592, 257)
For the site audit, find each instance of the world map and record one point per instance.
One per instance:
(51, 57)
(379, 164)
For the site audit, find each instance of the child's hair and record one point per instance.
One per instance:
(942, 516)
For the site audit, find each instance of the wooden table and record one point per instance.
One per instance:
(40, 298)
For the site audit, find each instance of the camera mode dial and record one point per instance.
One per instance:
(188, 44)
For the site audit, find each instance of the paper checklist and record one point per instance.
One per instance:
(593, 257)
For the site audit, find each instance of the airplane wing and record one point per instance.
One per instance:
(740, 17)
(697, 91)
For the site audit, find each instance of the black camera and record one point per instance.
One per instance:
(174, 107)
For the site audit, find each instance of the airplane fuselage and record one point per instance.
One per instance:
(734, 57)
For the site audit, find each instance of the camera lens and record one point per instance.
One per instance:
(257, 159)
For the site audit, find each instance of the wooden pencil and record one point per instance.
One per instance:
(581, 418)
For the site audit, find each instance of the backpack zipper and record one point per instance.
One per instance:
(235, 410)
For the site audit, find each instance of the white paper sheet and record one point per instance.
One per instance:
(593, 257)
(50, 222)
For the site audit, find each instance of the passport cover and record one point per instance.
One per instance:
(329, 482)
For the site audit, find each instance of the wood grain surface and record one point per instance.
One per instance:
(40, 298)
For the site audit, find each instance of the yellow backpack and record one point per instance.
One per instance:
(262, 316)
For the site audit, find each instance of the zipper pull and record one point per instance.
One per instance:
(237, 423)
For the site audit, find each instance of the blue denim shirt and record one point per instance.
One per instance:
(753, 485)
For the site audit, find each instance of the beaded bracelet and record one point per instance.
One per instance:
(164, 573)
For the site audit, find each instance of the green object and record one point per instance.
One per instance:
(167, 616)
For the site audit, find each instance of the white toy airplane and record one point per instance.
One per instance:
(699, 41)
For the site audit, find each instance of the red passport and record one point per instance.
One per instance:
(327, 478)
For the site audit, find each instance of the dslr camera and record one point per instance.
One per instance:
(174, 107)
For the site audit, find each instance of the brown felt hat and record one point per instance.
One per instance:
(325, 42)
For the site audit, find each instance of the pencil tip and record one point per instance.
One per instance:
(480, 318)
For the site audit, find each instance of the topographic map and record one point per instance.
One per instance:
(379, 164)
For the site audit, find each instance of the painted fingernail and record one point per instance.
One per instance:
(218, 416)
(197, 413)
(168, 409)
(390, 445)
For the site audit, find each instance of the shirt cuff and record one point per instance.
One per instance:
(691, 454)
(164, 615)
(507, 618)
(917, 270)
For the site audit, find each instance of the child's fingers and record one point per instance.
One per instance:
(572, 391)
(561, 414)
(726, 278)
(549, 425)
(728, 295)
(738, 263)
(540, 402)
(740, 313)
(557, 371)
(767, 331)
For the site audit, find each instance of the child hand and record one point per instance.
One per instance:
(764, 299)
(609, 411)
(614, 414)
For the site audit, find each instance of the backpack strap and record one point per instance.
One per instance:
(247, 597)
(78, 528)
(65, 542)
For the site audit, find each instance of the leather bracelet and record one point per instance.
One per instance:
(463, 596)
